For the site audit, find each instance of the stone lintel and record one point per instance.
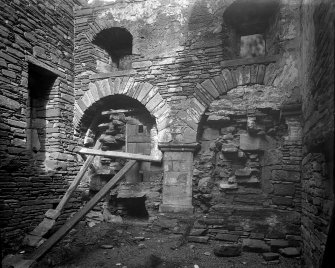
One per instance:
(41, 64)
(112, 74)
(178, 147)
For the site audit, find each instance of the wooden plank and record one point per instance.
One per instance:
(47, 245)
(77, 179)
(114, 154)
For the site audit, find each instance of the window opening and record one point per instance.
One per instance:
(40, 82)
(118, 43)
(140, 128)
(249, 21)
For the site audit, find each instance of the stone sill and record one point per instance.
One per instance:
(249, 61)
(112, 74)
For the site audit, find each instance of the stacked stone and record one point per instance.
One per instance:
(112, 138)
(111, 134)
(40, 33)
(318, 156)
(317, 204)
(245, 171)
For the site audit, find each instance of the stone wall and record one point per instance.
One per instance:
(36, 107)
(317, 58)
(247, 173)
(185, 53)
(185, 70)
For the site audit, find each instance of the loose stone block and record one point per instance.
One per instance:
(270, 256)
(227, 237)
(254, 245)
(276, 244)
(228, 250)
(290, 252)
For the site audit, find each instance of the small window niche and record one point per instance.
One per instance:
(251, 21)
(117, 44)
(40, 83)
(252, 46)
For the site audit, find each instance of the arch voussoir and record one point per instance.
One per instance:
(144, 92)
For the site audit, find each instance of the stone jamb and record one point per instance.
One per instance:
(178, 175)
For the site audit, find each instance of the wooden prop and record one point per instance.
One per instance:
(47, 245)
(115, 154)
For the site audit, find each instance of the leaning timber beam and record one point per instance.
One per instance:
(35, 237)
(47, 245)
(115, 154)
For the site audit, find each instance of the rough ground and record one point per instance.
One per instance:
(138, 245)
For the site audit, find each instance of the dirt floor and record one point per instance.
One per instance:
(139, 245)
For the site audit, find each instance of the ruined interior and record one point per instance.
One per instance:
(210, 122)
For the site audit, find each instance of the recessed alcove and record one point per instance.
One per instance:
(249, 22)
(118, 43)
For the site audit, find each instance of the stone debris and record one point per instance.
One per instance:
(262, 119)
(228, 250)
(290, 252)
(198, 239)
(270, 256)
(254, 245)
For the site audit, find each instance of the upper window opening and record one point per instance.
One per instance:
(118, 43)
(250, 20)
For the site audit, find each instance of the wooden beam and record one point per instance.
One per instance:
(47, 245)
(115, 154)
(77, 179)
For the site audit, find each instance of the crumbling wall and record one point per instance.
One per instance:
(317, 74)
(247, 172)
(34, 33)
(139, 194)
(184, 50)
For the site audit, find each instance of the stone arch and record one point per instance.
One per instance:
(97, 26)
(144, 92)
(210, 89)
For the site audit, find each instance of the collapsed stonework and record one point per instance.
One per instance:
(233, 94)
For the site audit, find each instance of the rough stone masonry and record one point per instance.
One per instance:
(238, 97)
